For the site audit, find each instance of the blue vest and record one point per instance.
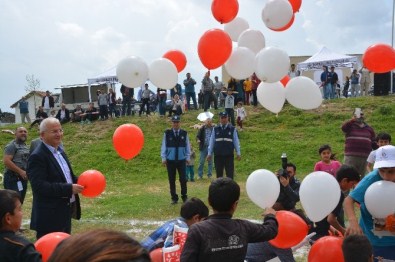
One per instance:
(176, 148)
(224, 140)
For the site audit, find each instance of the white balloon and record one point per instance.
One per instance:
(252, 39)
(303, 93)
(240, 64)
(263, 188)
(235, 27)
(319, 195)
(163, 73)
(271, 96)
(132, 71)
(271, 64)
(277, 13)
(374, 196)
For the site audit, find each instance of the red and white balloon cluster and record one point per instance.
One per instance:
(270, 64)
(279, 15)
(133, 71)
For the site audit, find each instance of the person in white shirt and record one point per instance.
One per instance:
(241, 114)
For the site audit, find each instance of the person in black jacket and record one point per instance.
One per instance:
(221, 238)
(289, 190)
(13, 247)
(287, 199)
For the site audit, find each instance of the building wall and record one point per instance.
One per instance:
(32, 111)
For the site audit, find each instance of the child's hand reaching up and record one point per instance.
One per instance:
(269, 211)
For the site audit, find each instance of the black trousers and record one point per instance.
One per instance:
(226, 162)
(254, 98)
(145, 102)
(172, 167)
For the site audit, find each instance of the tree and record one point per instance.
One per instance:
(33, 85)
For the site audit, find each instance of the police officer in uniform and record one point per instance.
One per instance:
(223, 142)
(13, 247)
(175, 153)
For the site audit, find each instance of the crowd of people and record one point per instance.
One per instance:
(216, 237)
(357, 84)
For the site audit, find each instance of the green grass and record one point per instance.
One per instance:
(138, 189)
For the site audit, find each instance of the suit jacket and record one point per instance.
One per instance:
(51, 101)
(51, 193)
(66, 114)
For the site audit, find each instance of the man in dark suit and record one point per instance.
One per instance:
(55, 192)
(63, 114)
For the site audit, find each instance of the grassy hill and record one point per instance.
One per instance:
(137, 191)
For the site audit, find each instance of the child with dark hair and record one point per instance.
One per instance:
(99, 245)
(221, 238)
(328, 161)
(192, 211)
(347, 177)
(13, 247)
(357, 248)
(382, 139)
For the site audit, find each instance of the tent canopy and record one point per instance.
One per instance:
(109, 76)
(328, 58)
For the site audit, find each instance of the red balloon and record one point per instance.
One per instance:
(327, 249)
(156, 255)
(286, 26)
(178, 58)
(47, 244)
(379, 58)
(93, 181)
(224, 11)
(214, 48)
(295, 5)
(128, 140)
(285, 80)
(292, 229)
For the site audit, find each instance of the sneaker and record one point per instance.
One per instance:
(200, 178)
(192, 180)
(174, 202)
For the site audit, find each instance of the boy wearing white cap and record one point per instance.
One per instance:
(383, 242)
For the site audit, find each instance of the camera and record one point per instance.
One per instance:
(283, 171)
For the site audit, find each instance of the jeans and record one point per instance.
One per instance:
(190, 95)
(354, 90)
(384, 252)
(203, 156)
(190, 173)
(231, 115)
(327, 91)
(126, 106)
(145, 102)
(207, 97)
(162, 106)
(264, 251)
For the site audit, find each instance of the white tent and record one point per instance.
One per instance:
(328, 58)
(109, 76)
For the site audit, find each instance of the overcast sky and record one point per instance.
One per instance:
(65, 42)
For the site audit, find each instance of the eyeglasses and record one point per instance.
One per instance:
(59, 131)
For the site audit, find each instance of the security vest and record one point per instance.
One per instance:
(176, 147)
(224, 140)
